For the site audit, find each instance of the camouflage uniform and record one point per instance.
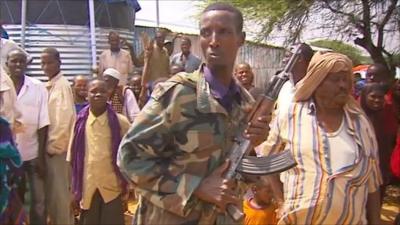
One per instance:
(179, 138)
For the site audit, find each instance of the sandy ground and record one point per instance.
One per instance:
(391, 206)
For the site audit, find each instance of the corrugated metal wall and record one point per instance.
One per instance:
(73, 42)
(264, 60)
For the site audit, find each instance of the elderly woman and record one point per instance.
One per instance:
(337, 177)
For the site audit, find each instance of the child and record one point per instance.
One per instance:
(96, 181)
(79, 88)
(372, 102)
(259, 209)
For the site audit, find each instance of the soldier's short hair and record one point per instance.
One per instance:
(222, 6)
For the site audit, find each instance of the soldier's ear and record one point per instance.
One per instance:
(242, 38)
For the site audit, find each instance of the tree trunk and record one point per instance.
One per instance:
(375, 52)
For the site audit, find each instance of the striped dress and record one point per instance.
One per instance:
(314, 193)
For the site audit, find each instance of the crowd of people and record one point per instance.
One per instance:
(158, 127)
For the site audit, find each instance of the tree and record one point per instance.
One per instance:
(352, 52)
(366, 22)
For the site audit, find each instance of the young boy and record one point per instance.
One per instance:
(259, 209)
(96, 181)
(80, 92)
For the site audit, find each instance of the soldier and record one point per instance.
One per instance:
(175, 152)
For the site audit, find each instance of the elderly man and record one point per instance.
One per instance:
(175, 152)
(62, 116)
(31, 141)
(122, 99)
(189, 61)
(116, 58)
(337, 177)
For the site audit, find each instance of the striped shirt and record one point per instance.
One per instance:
(314, 193)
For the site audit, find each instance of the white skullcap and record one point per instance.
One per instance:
(112, 73)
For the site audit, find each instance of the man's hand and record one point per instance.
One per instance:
(257, 131)
(217, 190)
(148, 50)
(143, 96)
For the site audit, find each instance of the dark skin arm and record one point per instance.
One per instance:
(42, 139)
(138, 62)
(257, 131)
(374, 208)
(219, 191)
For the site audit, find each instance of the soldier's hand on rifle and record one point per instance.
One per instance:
(217, 190)
(257, 131)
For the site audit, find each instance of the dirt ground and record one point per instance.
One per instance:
(391, 206)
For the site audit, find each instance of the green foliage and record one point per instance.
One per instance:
(366, 21)
(270, 14)
(352, 52)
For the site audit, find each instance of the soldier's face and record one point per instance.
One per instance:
(219, 38)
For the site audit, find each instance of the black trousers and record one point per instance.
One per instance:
(100, 213)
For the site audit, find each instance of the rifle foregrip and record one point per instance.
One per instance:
(264, 107)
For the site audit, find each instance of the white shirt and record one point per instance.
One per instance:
(8, 99)
(61, 114)
(285, 97)
(343, 149)
(131, 107)
(32, 103)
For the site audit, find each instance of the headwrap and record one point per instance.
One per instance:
(321, 64)
(78, 149)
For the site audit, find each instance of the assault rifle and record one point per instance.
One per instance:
(240, 161)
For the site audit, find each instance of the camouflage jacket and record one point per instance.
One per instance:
(180, 137)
